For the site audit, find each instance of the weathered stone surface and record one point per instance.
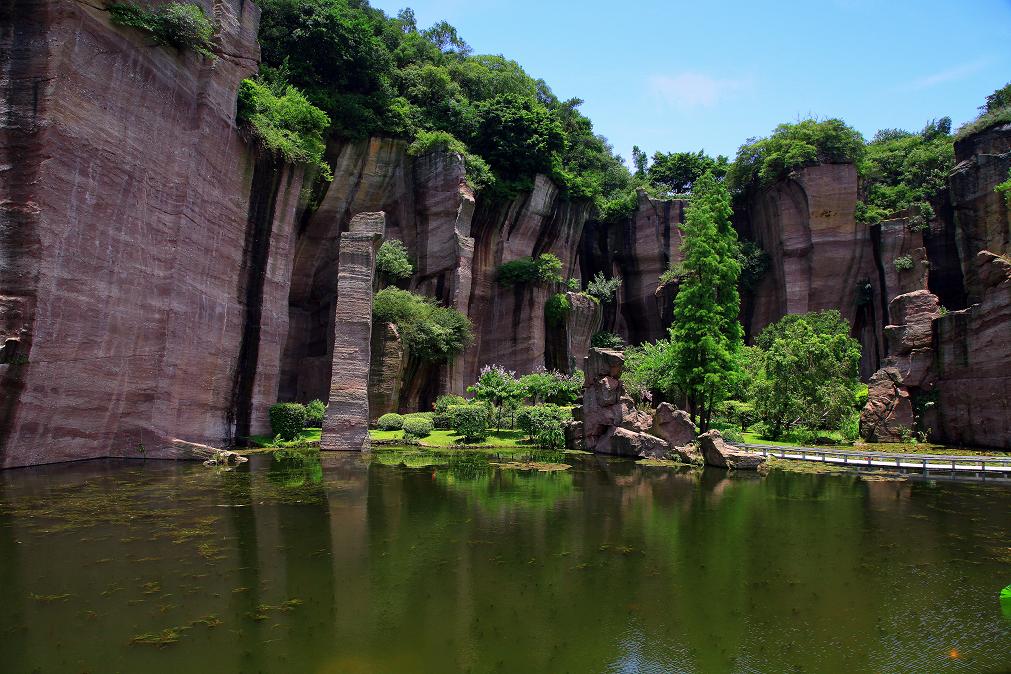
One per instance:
(818, 255)
(634, 444)
(688, 454)
(346, 423)
(719, 454)
(888, 414)
(385, 370)
(638, 251)
(896, 240)
(144, 247)
(574, 437)
(604, 363)
(911, 317)
(569, 343)
(673, 425)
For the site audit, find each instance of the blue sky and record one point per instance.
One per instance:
(685, 76)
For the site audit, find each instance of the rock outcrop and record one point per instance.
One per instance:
(346, 422)
(888, 414)
(611, 423)
(386, 370)
(719, 454)
(566, 345)
(145, 246)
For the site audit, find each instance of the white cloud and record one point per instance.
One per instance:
(947, 75)
(689, 90)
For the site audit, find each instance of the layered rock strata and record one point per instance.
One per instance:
(346, 423)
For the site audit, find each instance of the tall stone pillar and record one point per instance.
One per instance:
(346, 424)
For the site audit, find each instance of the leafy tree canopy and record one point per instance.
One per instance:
(430, 332)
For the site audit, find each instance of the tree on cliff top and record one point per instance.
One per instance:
(996, 110)
(706, 335)
(763, 161)
(676, 172)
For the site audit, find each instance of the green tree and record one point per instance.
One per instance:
(518, 136)
(706, 335)
(430, 332)
(499, 388)
(392, 261)
(676, 172)
(806, 372)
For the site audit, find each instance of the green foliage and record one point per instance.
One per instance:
(479, 174)
(442, 417)
(287, 420)
(602, 288)
(607, 340)
(315, 411)
(739, 413)
(706, 335)
(416, 428)
(1005, 189)
(390, 422)
(574, 284)
(903, 263)
(500, 389)
(996, 110)
(675, 172)
(806, 372)
(553, 387)
(285, 123)
(392, 261)
(546, 268)
(378, 75)
(754, 263)
(470, 422)
(903, 171)
(557, 309)
(430, 332)
(543, 425)
(182, 25)
(791, 146)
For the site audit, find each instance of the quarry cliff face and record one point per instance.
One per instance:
(144, 265)
(161, 279)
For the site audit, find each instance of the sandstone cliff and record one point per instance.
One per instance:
(145, 247)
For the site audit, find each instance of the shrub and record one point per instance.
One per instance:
(430, 332)
(285, 123)
(738, 413)
(557, 309)
(546, 268)
(997, 110)
(470, 422)
(314, 413)
(390, 422)
(543, 425)
(176, 24)
(479, 174)
(732, 434)
(287, 420)
(903, 263)
(442, 417)
(392, 261)
(607, 340)
(417, 427)
(604, 289)
(550, 386)
(1005, 189)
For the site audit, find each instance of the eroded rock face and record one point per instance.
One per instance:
(146, 249)
(569, 343)
(819, 256)
(632, 444)
(385, 370)
(346, 423)
(888, 414)
(719, 454)
(673, 425)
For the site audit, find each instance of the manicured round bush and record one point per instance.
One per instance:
(390, 422)
(287, 420)
(470, 422)
(417, 427)
(543, 424)
(314, 413)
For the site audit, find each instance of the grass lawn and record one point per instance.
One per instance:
(307, 436)
(756, 439)
(443, 438)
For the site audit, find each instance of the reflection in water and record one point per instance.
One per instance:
(428, 561)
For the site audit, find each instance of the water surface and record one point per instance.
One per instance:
(418, 562)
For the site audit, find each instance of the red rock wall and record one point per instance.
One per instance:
(818, 254)
(125, 231)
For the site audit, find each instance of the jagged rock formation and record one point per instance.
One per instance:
(611, 423)
(566, 345)
(386, 370)
(143, 288)
(888, 415)
(346, 422)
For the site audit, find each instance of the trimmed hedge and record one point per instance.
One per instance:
(416, 427)
(314, 413)
(390, 422)
(471, 422)
(287, 420)
(442, 416)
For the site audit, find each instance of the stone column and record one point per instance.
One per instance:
(346, 424)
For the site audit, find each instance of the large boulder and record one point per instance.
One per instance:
(637, 445)
(888, 414)
(911, 317)
(634, 419)
(574, 436)
(673, 425)
(719, 454)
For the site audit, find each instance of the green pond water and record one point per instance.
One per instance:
(417, 562)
